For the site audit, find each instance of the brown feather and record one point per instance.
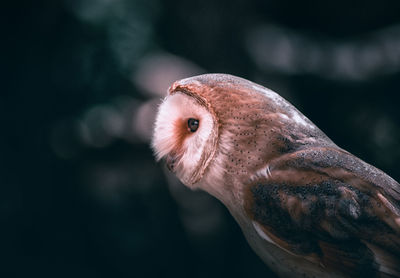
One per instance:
(312, 206)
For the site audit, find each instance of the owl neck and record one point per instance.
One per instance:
(223, 186)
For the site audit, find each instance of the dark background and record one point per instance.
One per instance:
(80, 193)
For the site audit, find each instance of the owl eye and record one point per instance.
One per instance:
(193, 124)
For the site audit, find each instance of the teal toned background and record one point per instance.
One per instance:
(80, 193)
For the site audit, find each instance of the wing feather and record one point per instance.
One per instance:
(331, 208)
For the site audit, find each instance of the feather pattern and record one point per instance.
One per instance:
(320, 204)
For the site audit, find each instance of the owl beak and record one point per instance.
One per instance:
(170, 161)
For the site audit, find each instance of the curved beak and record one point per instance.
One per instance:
(170, 161)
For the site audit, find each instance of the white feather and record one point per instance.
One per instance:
(262, 234)
(175, 108)
(297, 117)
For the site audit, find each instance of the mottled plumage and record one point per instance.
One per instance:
(306, 206)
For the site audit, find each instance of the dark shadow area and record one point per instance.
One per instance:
(80, 192)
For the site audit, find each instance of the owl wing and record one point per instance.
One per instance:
(331, 208)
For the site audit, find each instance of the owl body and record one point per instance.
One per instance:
(306, 206)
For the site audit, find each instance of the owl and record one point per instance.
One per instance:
(307, 207)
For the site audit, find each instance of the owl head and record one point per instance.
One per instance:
(218, 126)
(185, 134)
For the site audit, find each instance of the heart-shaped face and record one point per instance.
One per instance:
(182, 135)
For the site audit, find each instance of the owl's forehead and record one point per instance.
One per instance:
(226, 100)
(181, 104)
(231, 97)
(222, 89)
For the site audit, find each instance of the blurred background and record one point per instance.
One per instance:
(80, 192)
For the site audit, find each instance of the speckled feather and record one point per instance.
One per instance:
(327, 205)
(306, 206)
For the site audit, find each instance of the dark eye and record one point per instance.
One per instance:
(193, 124)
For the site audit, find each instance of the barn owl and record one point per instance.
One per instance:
(307, 207)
